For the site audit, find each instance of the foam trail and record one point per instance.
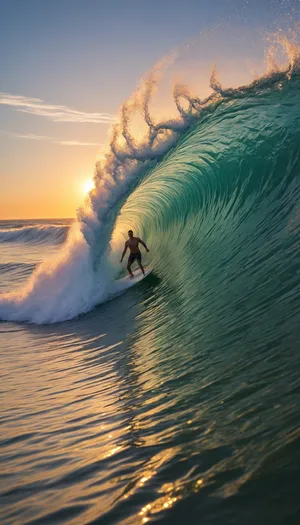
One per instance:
(81, 276)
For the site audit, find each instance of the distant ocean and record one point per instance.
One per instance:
(179, 400)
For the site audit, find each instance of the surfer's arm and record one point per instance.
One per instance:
(124, 251)
(143, 244)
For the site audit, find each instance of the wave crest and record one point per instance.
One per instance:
(35, 234)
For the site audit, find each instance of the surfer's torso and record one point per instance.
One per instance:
(133, 244)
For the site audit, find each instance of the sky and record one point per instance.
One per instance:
(66, 66)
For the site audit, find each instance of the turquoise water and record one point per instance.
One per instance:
(178, 400)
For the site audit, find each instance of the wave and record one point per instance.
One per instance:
(215, 171)
(36, 234)
(15, 273)
(10, 267)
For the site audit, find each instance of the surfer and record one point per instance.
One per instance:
(135, 254)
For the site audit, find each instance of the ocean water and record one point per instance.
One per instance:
(178, 400)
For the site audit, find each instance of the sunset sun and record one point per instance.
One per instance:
(88, 185)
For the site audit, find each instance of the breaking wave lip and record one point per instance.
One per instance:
(36, 234)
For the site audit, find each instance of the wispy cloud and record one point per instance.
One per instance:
(76, 143)
(36, 106)
(32, 136)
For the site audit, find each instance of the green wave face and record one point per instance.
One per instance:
(220, 215)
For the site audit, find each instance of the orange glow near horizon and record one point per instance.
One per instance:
(53, 184)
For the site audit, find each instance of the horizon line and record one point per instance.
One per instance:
(39, 219)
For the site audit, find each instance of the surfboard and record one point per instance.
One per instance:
(121, 285)
(138, 276)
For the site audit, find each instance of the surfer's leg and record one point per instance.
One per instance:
(130, 261)
(141, 267)
(139, 261)
(129, 270)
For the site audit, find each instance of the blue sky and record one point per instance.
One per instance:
(79, 59)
